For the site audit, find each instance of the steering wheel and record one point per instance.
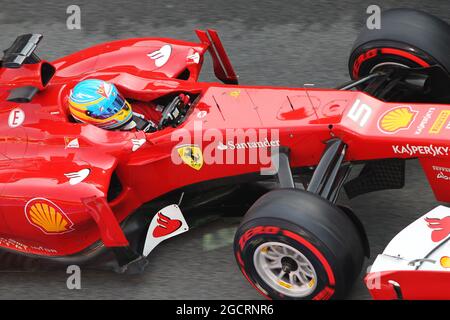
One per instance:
(167, 114)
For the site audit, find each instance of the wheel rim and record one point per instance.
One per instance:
(285, 269)
(387, 65)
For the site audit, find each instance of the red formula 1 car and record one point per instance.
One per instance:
(74, 193)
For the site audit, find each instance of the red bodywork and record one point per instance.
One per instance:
(415, 285)
(36, 155)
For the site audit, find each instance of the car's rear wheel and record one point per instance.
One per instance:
(407, 38)
(293, 244)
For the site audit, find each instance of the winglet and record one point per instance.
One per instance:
(221, 63)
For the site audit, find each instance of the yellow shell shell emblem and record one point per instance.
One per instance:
(397, 119)
(235, 93)
(445, 262)
(191, 155)
(48, 217)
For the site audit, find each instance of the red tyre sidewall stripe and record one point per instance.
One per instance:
(254, 285)
(239, 258)
(361, 59)
(326, 293)
(316, 252)
(407, 55)
(241, 267)
(367, 55)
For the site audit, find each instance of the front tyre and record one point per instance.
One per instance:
(407, 38)
(295, 245)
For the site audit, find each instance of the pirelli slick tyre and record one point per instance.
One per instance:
(293, 244)
(407, 38)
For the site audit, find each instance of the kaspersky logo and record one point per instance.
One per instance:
(394, 120)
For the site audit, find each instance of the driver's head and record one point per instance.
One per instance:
(99, 103)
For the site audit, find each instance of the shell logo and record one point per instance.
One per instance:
(47, 216)
(445, 262)
(397, 119)
(235, 93)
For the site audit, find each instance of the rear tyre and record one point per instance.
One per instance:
(293, 244)
(407, 38)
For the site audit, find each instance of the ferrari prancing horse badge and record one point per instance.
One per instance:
(191, 155)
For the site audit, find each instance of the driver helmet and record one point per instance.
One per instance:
(99, 103)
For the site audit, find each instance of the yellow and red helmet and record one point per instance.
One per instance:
(99, 103)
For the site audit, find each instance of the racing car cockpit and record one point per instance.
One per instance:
(144, 110)
(100, 103)
(167, 111)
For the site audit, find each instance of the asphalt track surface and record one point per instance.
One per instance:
(270, 43)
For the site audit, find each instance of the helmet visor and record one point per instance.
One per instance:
(116, 106)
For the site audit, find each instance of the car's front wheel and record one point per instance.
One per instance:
(407, 38)
(295, 245)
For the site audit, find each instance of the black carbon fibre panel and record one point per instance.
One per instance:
(377, 175)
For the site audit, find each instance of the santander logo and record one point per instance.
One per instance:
(266, 143)
(165, 226)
